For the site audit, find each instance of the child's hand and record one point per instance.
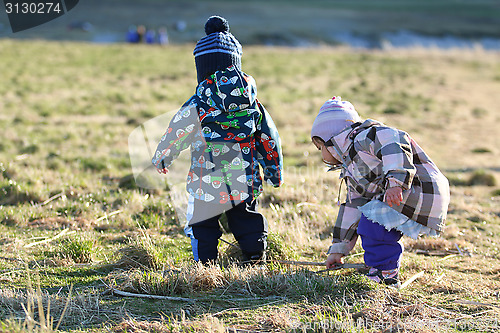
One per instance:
(394, 195)
(164, 170)
(333, 259)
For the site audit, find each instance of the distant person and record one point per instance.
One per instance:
(141, 32)
(150, 36)
(230, 135)
(393, 188)
(180, 26)
(132, 35)
(163, 36)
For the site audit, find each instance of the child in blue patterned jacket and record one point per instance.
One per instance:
(231, 135)
(393, 188)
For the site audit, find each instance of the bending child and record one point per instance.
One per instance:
(230, 134)
(393, 188)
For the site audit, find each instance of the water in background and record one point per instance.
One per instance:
(400, 39)
(408, 39)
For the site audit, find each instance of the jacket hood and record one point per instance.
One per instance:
(342, 141)
(229, 90)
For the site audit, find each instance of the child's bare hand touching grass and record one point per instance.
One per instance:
(333, 259)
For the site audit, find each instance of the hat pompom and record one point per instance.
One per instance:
(216, 24)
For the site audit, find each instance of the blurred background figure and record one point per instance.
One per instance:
(141, 32)
(132, 35)
(150, 36)
(180, 25)
(163, 36)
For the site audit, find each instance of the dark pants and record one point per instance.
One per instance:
(248, 226)
(382, 248)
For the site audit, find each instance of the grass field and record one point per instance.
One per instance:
(73, 223)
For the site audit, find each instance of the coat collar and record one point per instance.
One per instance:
(340, 144)
(229, 90)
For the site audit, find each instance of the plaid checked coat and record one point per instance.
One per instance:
(375, 157)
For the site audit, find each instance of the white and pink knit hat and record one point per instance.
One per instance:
(334, 116)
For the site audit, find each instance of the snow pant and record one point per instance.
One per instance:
(383, 250)
(248, 226)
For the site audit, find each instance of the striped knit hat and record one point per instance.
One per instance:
(334, 116)
(218, 50)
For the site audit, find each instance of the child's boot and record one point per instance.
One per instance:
(387, 277)
(255, 259)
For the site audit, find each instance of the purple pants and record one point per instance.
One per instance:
(382, 248)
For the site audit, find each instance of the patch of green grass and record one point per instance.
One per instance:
(479, 112)
(481, 150)
(78, 249)
(14, 193)
(457, 181)
(157, 215)
(145, 252)
(482, 177)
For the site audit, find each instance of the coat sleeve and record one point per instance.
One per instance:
(178, 135)
(268, 144)
(344, 231)
(393, 148)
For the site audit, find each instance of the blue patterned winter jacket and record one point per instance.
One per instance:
(231, 137)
